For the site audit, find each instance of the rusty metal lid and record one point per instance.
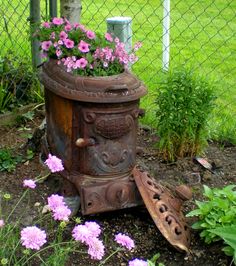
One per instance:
(165, 209)
(124, 87)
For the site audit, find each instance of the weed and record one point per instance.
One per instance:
(184, 103)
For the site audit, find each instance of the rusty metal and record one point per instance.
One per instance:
(165, 209)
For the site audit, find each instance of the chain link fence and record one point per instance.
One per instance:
(202, 36)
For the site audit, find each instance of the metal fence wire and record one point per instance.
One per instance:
(202, 36)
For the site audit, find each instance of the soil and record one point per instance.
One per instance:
(136, 222)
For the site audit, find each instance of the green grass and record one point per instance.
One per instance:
(202, 36)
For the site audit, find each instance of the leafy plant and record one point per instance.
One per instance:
(184, 103)
(5, 97)
(219, 210)
(8, 162)
(153, 260)
(228, 234)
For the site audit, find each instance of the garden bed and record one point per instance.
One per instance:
(136, 222)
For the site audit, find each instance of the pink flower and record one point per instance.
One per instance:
(83, 46)
(2, 223)
(138, 262)
(61, 213)
(58, 52)
(90, 34)
(43, 55)
(29, 183)
(108, 37)
(63, 35)
(69, 43)
(137, 46)
(96, 249)
(32, 237)
(82, 233)
(81, 63)
(105, 64)
(94, 228)
(117, 40)
(68, 27)
(57, 21)
(46, 24)
(124, 241)
(53, 35)
(60, 42)
(46, 45)
(54, 163)
(55, 201)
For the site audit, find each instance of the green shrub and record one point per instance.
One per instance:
(184, 103)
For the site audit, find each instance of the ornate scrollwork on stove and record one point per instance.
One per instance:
(89, 117)
(117, 194)
(114, 127)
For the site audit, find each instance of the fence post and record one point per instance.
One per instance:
(53, 8)
(121, 28)
(71, 9)
(166, 35)
(34, 18)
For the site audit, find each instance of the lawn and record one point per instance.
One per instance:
(202, 37)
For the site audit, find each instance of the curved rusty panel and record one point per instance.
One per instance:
(165, 210)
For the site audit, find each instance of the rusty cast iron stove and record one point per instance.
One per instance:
(92, 126)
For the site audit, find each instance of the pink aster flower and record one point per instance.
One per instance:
(46, 45)
(108, 37)
(138, 262)
(55, 201)
(81, 63)
(63, 35)
(96, 249)
(83, 46)
(69, 43)
(82, 233)
(57, 21)
(29, 183)
(90, 34)
(61, 213)
(94, 228)
(2, 223)
(54, 163)
(124, 241)
(32, 237)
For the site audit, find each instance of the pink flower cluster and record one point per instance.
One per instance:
(54, 163)
(88, 234)
(33, 238)
(124, 241)
(80, 49)
(29, 183)
(58, 207)
(138, 262)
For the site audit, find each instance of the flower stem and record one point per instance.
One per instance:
(107, 258)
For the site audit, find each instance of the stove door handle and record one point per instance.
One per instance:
(83, 142)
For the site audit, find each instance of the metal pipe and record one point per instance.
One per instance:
(166, 35)
(34, 20)
(53, 8)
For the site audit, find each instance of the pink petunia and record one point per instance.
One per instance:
(69, 43)
(61, 213)
(58, 52)
(83, 46)
(90, 34)
(96, 249)
(138, 262)
(63, 35)
(81, 63)
(68, 27)
(108, 37)
(53, 35)
(46, 45)
(33, 238)
(124, 241)
(29, 183)
(55, 201)
(57, 21)
(46, 24)
(54, 163)
(1, 223)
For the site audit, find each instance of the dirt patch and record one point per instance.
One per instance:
(136, 222)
